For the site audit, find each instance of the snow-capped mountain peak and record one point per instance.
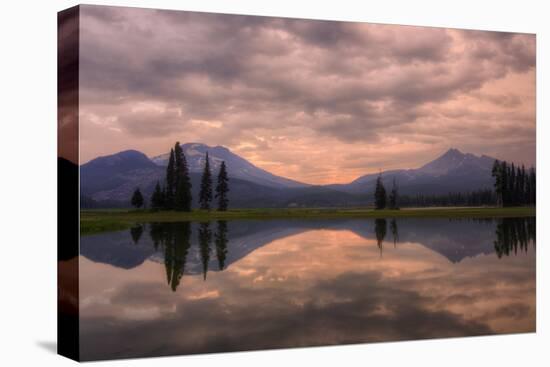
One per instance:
(238, 167)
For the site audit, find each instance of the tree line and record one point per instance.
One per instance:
(486, 197)
(514, 186)
(175, 193)
(395, 201)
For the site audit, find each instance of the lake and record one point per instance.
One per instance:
(185, 288)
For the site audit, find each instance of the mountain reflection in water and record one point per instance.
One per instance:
(243, 285)
(171, 242)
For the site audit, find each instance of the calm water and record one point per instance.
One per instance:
(180, 288)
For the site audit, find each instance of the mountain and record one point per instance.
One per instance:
(239, 167)
(110, 180)
(455, 162)
(453, 171)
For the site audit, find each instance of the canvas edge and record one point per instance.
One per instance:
(68, 41)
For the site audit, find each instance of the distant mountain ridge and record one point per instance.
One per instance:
(453, 171)
(108, 181)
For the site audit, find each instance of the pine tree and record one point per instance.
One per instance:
(513, 186)
(497, 174)
(379, 194)
(182, 184)
(394, 196)
(505, 184)
(156, 198)
(170, 182)
(222, 188)
(137, 199)
(163, 196)
(205, 194)
(522, 186)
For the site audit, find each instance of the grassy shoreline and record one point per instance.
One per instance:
(95, 221)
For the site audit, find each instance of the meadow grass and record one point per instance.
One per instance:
(94, 221)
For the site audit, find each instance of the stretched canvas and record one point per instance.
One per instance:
(236, 183)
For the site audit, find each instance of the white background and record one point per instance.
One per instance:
(28, 182)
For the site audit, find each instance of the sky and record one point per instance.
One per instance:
(315, 101)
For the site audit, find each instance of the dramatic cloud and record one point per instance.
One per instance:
(351, 97)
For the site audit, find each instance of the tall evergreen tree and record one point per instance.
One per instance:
(222, 188)
(379, 194)
(513, 186)
(505, 184)
(182, 184)
(163, 196)
(394, 196)
(205, 194)
(156, 198)
(497, 174)
(137, 199)
(170, 189)
(521, 183)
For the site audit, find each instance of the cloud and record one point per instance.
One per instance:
(151, 120)
(355, 87)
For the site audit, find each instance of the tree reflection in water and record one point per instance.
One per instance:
(205, 237)
(394, 232)
(136, 233)
(380, 227)
(221, 243)
(175, 240)
(513, 234)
